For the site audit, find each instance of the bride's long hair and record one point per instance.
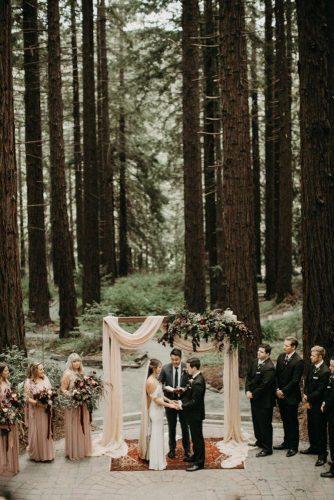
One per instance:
(154, 363)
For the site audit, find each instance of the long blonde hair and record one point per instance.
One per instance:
(71, 359)
(32, 370)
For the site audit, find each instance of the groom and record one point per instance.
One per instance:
(194, 409)
(174, 375)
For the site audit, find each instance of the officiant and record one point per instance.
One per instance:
(174, 376)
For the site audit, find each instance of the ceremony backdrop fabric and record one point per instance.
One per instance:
(114, 338)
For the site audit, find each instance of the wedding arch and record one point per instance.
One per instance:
(116, 338)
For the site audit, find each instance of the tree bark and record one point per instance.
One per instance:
(11, 307)
(209, 74)
(270, 252)
(38, 278)
(284, 251)
(238, 213)
(107, 221)
(123, 212)
(317, 176)
(194, 286)
(61, 238)
(256, 154)
(91, 272)
(21, 210)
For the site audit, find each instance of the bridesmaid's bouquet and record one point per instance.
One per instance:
(87, 390)
(46, 397)
(11, 408)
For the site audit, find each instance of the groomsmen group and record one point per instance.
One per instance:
(266, 385)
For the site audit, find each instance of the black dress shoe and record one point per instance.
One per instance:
(320, 462)
(194, 467)
(188, 459)
(281, 447)
(291, 453)
(264, 453)
(256, 444)
(171, 454)
(309, 451)
(327, 474)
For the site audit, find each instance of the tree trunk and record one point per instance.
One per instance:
(238, 210)
(284, 249)
(38, 278)
(21, 210)
(77, 153)
(317, 174)
(194, 292)
(11, 308)
(123, 215)
(91, 272)
(270, 251)
(256, 154)
(209, 74)
(61, 238)
(107, 222)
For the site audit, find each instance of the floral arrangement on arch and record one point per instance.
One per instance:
(216, 326)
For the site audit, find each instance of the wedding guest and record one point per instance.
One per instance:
(9, 439)
(40, 442)
(289, 371)
(260, 390)
(327, 408)
(192, 404)
(173, 376)
(315, 384)
(78, 442)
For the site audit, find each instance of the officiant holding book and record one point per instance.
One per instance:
(174, 378)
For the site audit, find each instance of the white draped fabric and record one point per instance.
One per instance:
(115, 338)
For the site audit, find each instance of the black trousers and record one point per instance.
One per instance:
(172, 421)
(331, 440)
(263, 427)
(196, 431)
(289, 415)
(317, 431)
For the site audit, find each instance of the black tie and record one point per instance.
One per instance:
(176, 381)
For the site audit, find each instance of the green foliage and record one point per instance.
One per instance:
(18, 366)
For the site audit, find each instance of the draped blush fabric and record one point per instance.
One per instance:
(115, 338)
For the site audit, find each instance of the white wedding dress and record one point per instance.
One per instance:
(157, 455)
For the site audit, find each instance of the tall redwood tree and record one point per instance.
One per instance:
(38, 279)
(11, 307)
(317, 176)
(193, 197)
(91, 271)
(61, 238)
(238, 214)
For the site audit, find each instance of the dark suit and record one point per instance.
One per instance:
(329, 415)
(194, 411)
(288, 377)
(315, 384)
(166, 378)
(260, 381)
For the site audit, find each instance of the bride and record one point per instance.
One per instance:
(151, 443)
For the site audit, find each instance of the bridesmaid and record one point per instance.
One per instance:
(40, 443)
(77, 420)
(9, 438)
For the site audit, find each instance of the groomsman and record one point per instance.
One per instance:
(260, 390)
(289, 371)
(315, 384)
(327, 408)
(173, 376)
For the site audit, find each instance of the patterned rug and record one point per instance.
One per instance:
(132, 461)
